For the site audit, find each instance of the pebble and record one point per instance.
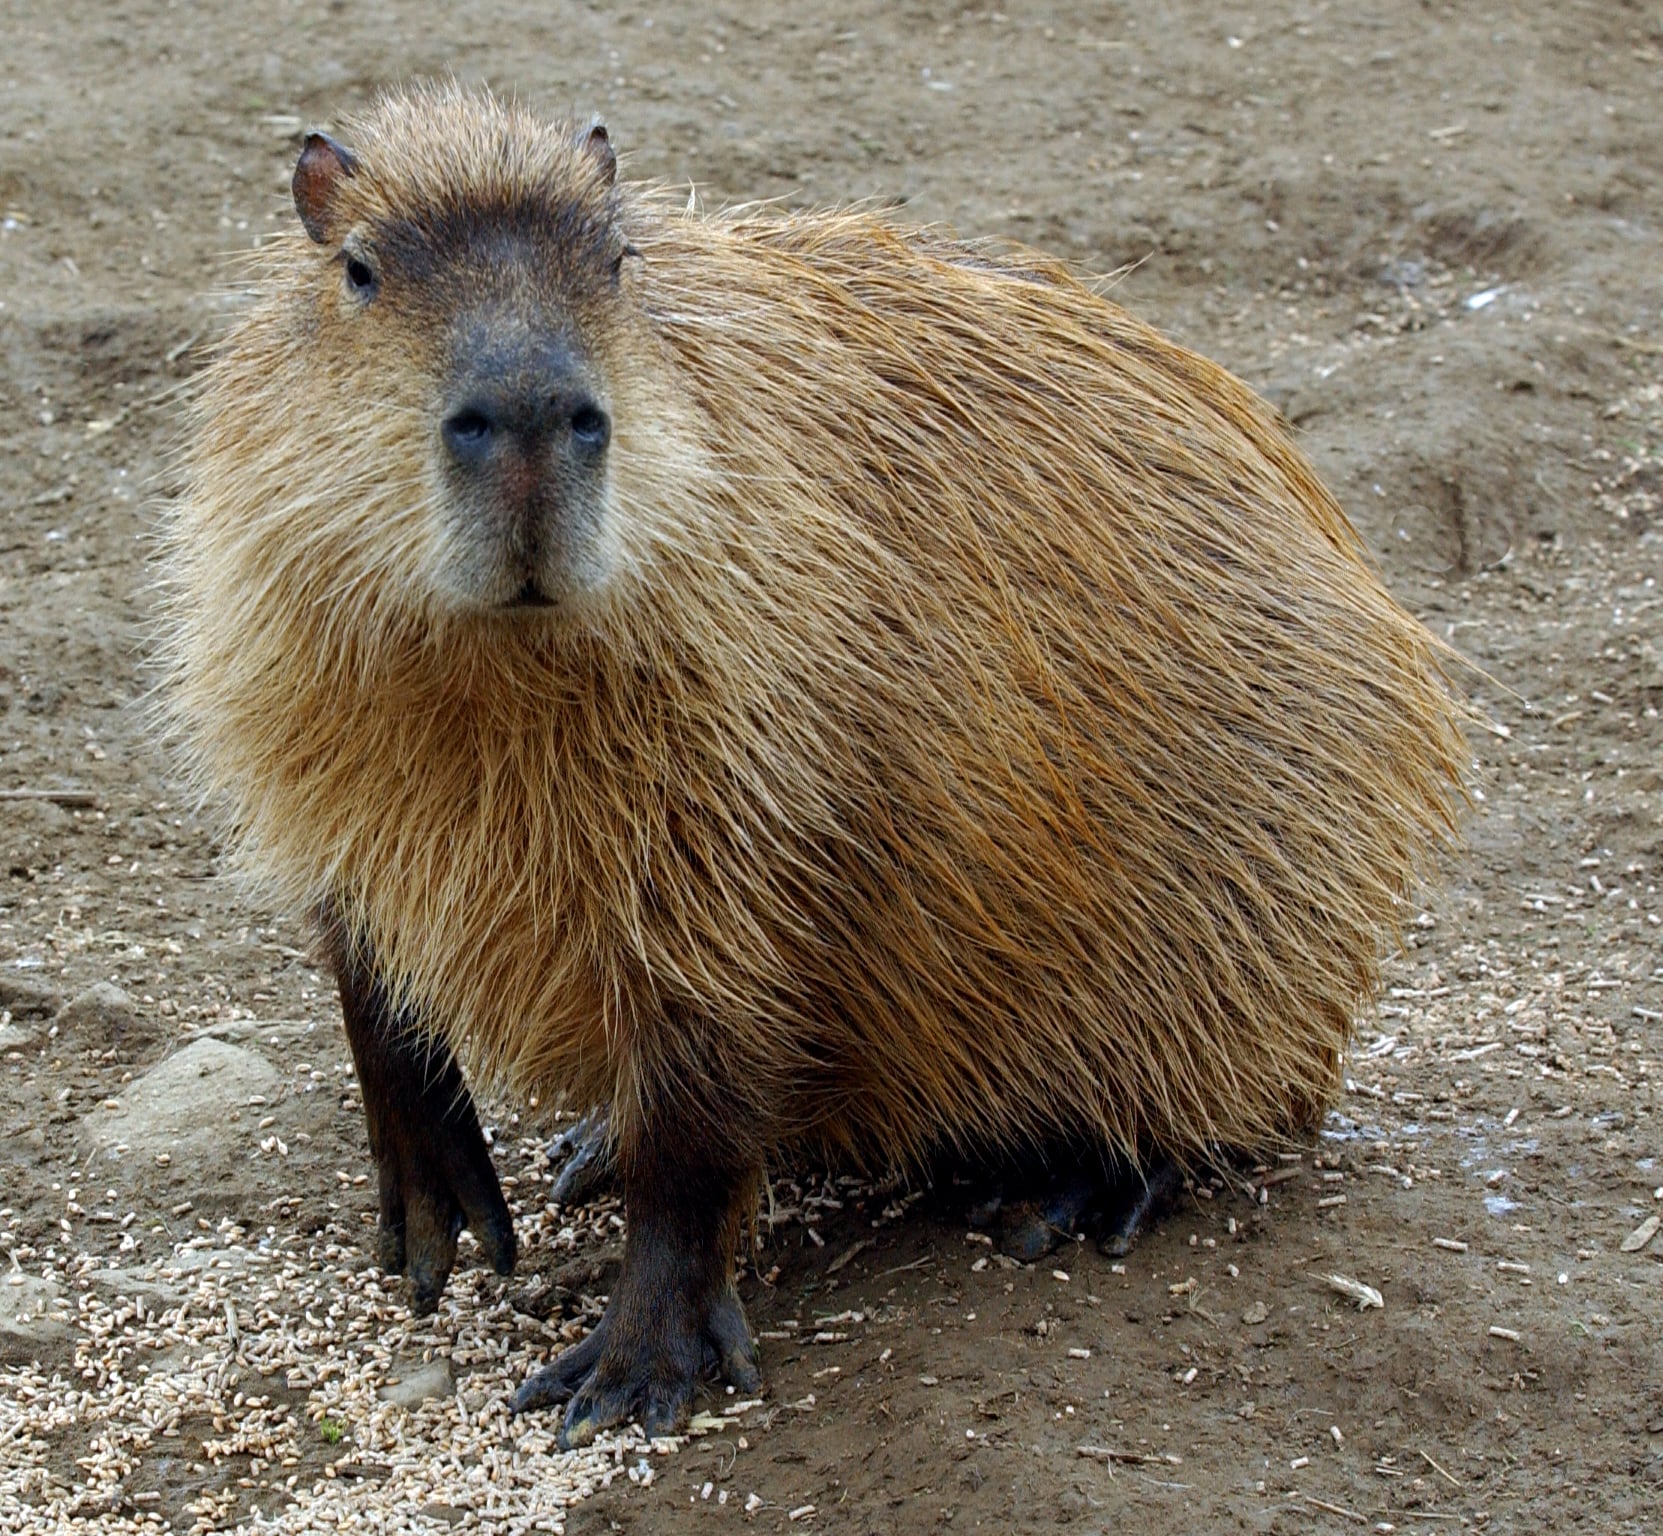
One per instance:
(1642, 1234)
(25, 998)
(420, 1384)
(103, 1007)
(32, 1309)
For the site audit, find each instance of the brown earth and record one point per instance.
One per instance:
(1433, 235)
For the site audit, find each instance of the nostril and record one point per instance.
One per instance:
(590, 425)
(467, 433)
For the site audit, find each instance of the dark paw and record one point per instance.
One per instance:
(1037, 1210)
(591, 1162)
(436, 1178)
(648, 1373)
(1143, 1201)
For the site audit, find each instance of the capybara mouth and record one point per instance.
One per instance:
(530, 596)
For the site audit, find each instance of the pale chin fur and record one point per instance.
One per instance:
(577, 579)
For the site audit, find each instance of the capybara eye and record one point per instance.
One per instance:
(360, 276)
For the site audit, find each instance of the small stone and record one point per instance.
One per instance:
(25, 998)
(421, 1384)
(1255, 1314)
(1642, 1234)
(102, 1003)
(182, 1113)
(103, 1017)
(32, 1309)
(14, 1037)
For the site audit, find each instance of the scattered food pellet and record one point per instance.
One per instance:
(1510, 1334)
(1451, 1244)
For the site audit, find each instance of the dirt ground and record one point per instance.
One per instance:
(1433, 235)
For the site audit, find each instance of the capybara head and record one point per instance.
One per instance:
(465, 301)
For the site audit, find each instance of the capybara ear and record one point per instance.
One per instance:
(596, 143)
(317, 174)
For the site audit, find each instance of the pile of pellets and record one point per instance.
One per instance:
(248, 1383)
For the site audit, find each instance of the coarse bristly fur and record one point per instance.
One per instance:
(976, 726)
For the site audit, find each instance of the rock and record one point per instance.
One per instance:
(14, 1037)
(33, 1309)
(23, 997)
(135, 1285)
(420, 1384)
(191, 1109)
(1255, 1314)
(104, 1016)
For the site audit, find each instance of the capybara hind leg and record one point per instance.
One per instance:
(1078, 1194)
(1069, 1203)
(1142, 1199)
(591, 1168)
(434, 1169)
(674, 1310)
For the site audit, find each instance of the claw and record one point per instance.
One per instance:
(556, 1382)
(591, 1167)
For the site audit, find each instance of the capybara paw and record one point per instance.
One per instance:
(609, 1378)
(1106, 1197)
(1141, 1205)
(591, 1162)
(435, 1180)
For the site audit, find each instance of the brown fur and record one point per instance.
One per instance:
(981, 725)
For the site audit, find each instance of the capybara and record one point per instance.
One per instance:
(790, 681)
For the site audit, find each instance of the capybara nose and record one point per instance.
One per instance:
(567, 421)
(470, 433)
(590, 426)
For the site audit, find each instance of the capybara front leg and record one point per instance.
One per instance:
(433, 1166)
(674, 1312)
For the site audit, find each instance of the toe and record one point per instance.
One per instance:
(389, 1247)
(430, 1252)
(594, 1407)
(668, 1409)
(1025, 1233)
(558, 1380)
(730, 1332)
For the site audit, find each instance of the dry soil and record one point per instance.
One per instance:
(1432, 234)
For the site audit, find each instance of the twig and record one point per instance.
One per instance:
(1110, 1454)
(1453, 1481)
(847, 1254)
(1333, 1509)
(69, 799)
